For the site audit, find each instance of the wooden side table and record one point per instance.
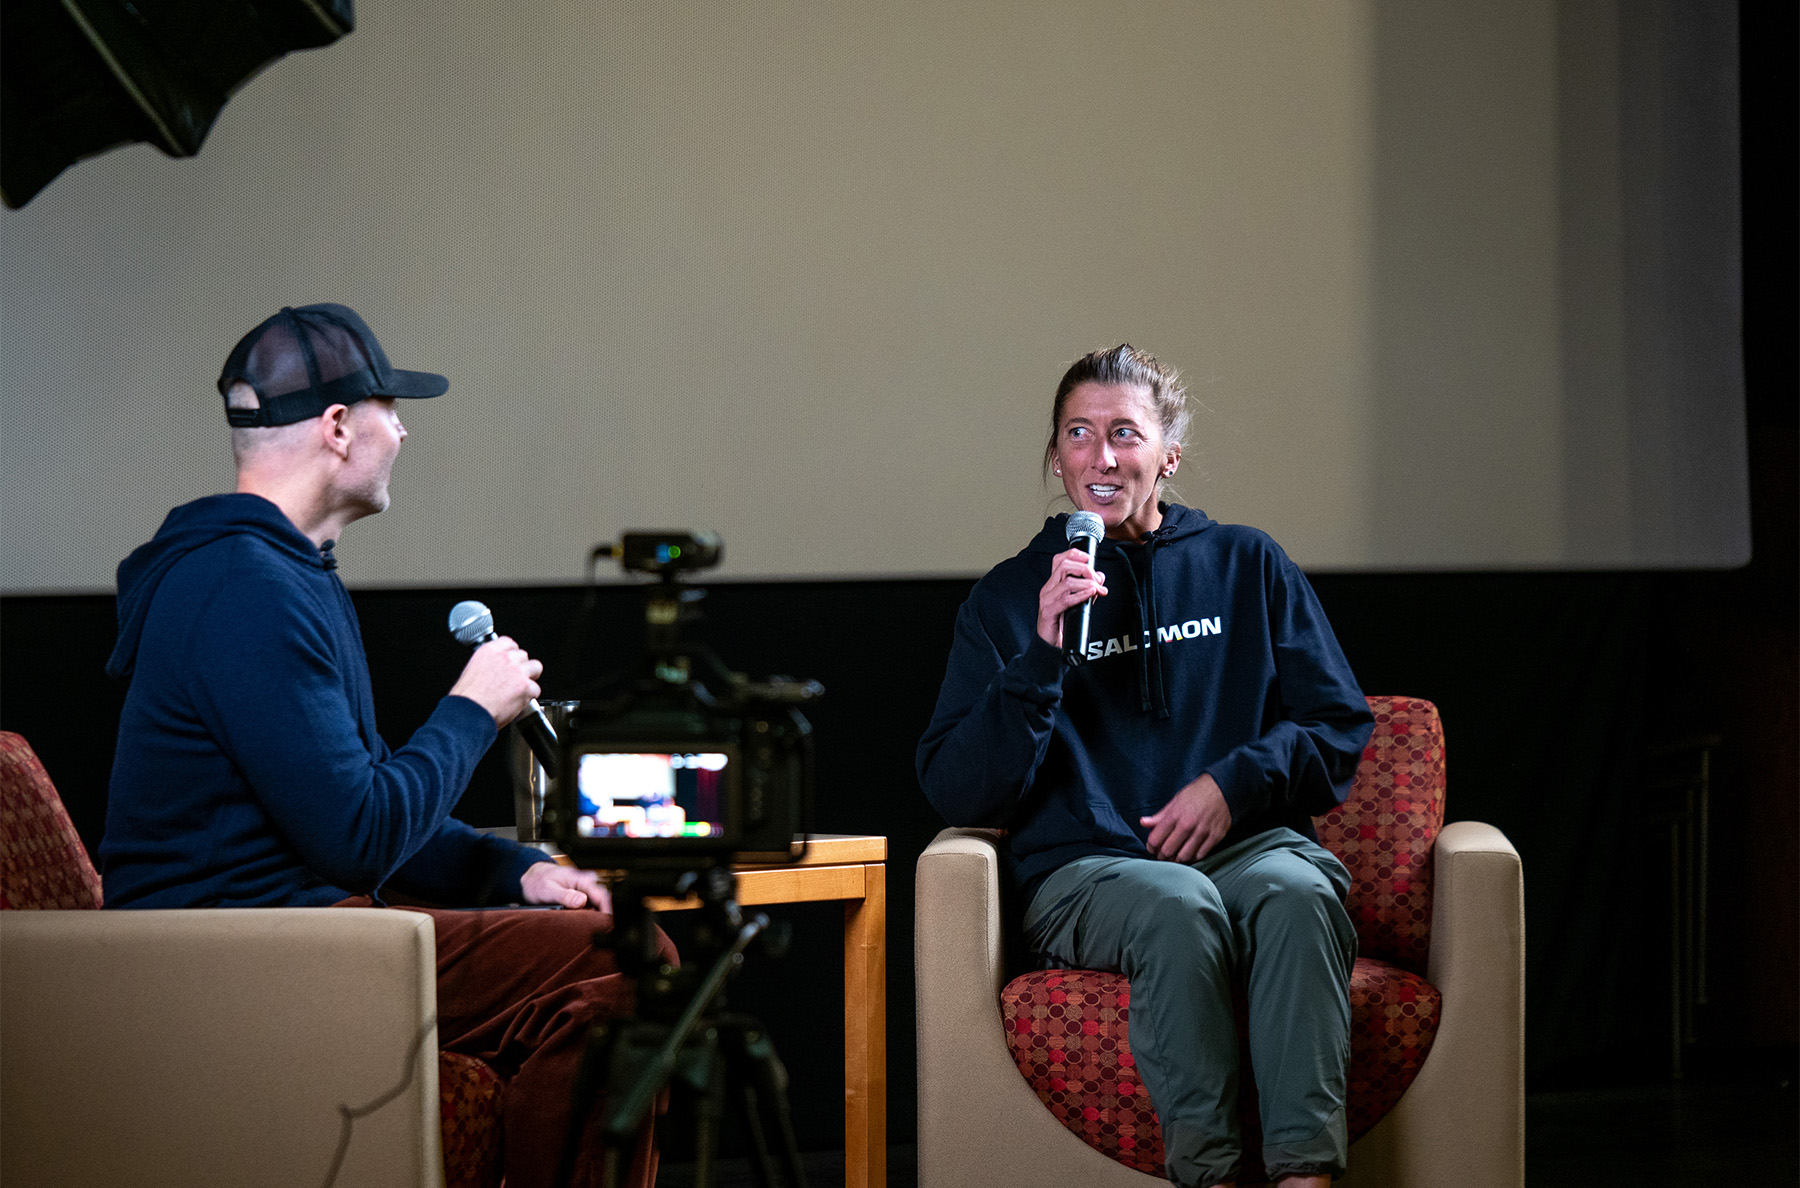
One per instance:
(853, 868)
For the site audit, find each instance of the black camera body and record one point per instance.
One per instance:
(667, 785)
(685, 763)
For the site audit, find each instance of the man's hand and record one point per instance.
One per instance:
(501, 679)
(1189, 826)
(551, 882)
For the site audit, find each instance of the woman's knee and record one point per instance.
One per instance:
(1295, 895)
(1178, 911)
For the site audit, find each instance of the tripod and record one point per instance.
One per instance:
(680, 1036)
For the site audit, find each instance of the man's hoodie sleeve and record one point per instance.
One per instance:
(463, 867)
(270, 693)
(1307, 759)
(991, 727)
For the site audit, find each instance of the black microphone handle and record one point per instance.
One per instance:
(533, 726)
(1075, 619)
(1075, 632)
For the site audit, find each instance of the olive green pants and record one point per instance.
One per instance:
(1269, 911)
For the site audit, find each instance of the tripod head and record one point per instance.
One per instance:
(679, 761)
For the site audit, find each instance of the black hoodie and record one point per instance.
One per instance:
(249, 770)
(1208, 653)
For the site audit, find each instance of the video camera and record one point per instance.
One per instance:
(685, 763)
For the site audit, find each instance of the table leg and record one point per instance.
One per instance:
(865, 1033)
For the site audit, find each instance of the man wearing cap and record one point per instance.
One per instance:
(249, 771)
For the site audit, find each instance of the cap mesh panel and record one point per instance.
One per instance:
(276, 364)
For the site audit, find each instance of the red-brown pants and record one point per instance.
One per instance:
(519, 989)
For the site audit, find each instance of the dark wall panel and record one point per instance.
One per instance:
(1552, 688)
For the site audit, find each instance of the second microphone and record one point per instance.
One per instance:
(472, 623)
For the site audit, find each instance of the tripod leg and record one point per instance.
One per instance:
(761, 1164)
(764, 1079)
(772, 1078)
(708, 1110)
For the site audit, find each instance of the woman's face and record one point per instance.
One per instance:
(1110, 455)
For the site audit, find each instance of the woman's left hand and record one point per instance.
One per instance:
(1189, 826)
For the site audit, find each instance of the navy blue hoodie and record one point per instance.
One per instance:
(1208, 653)
(249, 770)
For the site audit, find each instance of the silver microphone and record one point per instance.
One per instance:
(472, 623)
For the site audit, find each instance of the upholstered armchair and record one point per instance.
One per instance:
(1026, 1080)
(228, 1047)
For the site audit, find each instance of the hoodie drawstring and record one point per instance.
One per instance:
(1149, 656)
(1154, 671)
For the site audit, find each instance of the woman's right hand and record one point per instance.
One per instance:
(1073, 580)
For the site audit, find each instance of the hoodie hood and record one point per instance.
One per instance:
(189, 527)
(1178, 523)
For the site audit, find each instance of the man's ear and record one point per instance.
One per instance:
(335, 430)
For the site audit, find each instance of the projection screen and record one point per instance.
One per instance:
(1454, 286)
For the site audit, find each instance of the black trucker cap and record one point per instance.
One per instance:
(302, 361)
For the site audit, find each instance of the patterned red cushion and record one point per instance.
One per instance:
(1385, 829)
(469, 1093)
(1068, 1033)
(42, 861)
(1393, 1021)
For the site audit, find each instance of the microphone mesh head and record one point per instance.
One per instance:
(471, 621)
(1084, 523)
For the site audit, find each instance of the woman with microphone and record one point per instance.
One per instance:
(1158, 785)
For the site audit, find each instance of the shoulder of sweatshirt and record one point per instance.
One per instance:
(1239, 540)
(251, 577)
(1020, 576)
(245, 554)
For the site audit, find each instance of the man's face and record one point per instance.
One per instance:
(378, 436)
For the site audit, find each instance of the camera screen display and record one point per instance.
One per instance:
(653, 794)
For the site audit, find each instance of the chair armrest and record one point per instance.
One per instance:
(957, 970)
(980, 1123)
(216, 1047)
(1478, 917)
(1462, 1121)
(956, 940)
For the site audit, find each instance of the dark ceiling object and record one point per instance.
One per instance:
(78, 77)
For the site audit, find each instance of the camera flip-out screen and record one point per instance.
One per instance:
(655, 788)
(671, 792)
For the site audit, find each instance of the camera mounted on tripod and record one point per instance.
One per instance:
(683, 763)
(670, 773)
